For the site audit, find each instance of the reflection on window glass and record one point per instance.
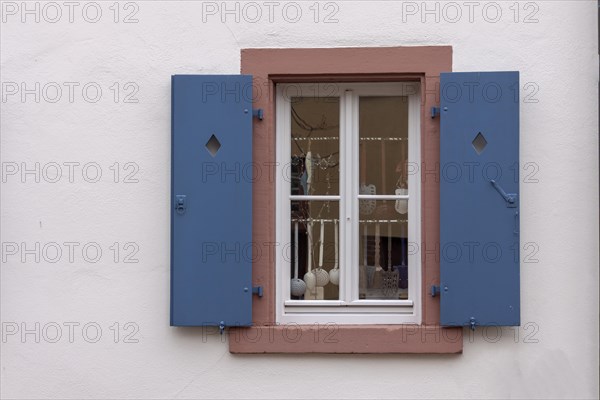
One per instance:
(315, 269)
(383, 131)
(315, 146)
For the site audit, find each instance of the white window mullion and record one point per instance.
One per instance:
(352, 194)
(346, 176)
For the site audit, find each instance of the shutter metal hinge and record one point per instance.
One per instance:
(258, 113)
(472, 323)
(436, 290)
(257, 290)
(222, 327)
(180, 205)
(510, 198)
(435, 111)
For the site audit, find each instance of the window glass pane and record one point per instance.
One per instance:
(383, 149)
(314, 225)
(315, 145)
(383, 252)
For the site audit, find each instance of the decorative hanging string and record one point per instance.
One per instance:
(336, 235)
(309, 237)
(296, 258)
(334, 274)
(383, 180)
(389, 232)
(310, 278)
(321, 275)
(377, 245)
(297, 286)
(321, 244)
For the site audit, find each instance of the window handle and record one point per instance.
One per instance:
(510, 198)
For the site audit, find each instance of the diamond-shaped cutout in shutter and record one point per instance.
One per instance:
(213, 145)
(479, 143)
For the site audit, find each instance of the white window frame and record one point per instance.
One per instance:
(348, 309)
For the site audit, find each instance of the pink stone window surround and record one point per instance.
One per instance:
(271, 66)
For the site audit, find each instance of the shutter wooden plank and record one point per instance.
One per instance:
(479, 228)
(211, 237)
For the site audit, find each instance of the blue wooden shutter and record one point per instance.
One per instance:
(479, 199)
(211, 200)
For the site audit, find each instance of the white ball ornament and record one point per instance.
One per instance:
(298, 287)
(322, 277)
(334, 276)
(310, 280)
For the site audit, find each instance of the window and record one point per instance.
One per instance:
(348, 203)
(351, 332)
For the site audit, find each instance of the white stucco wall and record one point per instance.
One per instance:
(554, 355)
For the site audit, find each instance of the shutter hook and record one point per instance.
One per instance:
(510, 198)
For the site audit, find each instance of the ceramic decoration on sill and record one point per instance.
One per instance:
(334, 274)
(322, 277)
(310, 278)
(298, 287)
